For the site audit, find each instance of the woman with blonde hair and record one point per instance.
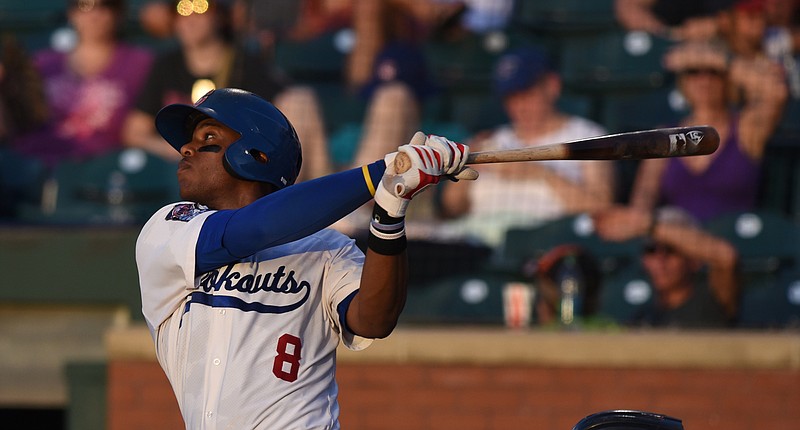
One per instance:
(743, 100)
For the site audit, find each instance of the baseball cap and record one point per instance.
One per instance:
(519, 69)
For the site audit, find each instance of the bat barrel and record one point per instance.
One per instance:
(657, 143)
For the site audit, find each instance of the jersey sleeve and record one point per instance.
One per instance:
(342, 279)
(165, 259)
(285, 216)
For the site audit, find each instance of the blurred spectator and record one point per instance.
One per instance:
(266, 22)
(207, 56)
(526, 194)
(692, 272)
(454, 18)
(23, 106)
(743, 27)
(784, 16)
(672, 19)
(90, 86)
(568, 282)
(782, 39)
(155, 18)
(399, 85)
(744, 102)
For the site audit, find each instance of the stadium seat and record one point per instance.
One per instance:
(469, 298)
(789, 124)
(321, 59)
(624, 291)
(613, 60)
(122, 187)
(525, 244)
(339, 106)
(772, 306)
(780, 177)
(641, 110)
(21, 179)
(464, 64)
(766, 242)
(561, 16)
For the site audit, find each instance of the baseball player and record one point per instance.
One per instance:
(245, 292)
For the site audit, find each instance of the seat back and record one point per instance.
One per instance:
(122, 187)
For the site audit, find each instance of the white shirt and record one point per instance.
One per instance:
(250, 345)
(500, 203)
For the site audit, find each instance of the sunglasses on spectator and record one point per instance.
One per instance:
(659, 248)
(702, 71)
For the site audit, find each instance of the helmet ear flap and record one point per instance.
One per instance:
(228, 168)
(256, 154)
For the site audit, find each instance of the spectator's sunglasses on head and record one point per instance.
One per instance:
(659, 248)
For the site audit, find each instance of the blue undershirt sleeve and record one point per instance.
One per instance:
(284, 216)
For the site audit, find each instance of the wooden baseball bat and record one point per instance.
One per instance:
(633, 145)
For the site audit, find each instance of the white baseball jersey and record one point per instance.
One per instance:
(250, 345)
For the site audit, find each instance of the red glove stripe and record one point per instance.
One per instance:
(422, 156)
(453, 149)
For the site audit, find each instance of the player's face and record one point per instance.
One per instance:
(201, 174)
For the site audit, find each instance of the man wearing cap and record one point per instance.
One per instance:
(526, 194)
(692, 273)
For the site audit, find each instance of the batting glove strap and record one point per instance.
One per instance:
(387, 234)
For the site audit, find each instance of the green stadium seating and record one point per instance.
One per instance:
(122, 187)
(772, 306)
(21, 179)
(525, 244)
(470, 298)
(613, 60)
(315, 60)
(766, 241)
(640, 110)
(624, 291)
(562, 16)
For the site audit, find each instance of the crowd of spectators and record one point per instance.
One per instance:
(734, 62)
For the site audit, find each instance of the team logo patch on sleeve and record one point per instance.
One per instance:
(185, 212)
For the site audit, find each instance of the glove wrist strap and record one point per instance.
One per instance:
(387, 234)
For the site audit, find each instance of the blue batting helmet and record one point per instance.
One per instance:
(268, 149)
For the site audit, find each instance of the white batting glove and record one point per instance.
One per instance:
(431, 158)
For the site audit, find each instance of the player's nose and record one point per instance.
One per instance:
(187, 149)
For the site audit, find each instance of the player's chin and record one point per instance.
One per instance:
(187, 189)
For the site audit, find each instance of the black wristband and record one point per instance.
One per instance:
(380, 216)
(387, 234)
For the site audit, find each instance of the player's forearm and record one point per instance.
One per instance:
(284, 216)
(376, 308)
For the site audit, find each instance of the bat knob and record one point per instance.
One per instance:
(402, 162)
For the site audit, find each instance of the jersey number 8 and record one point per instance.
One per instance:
(287, 362)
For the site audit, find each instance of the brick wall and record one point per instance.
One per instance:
(423, 392)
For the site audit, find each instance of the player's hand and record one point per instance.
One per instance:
(454, 154)
(430, 159)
